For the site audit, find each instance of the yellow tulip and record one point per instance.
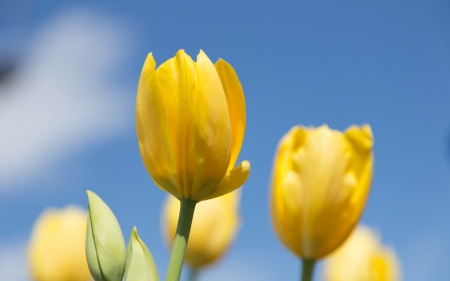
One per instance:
(56, 250)
(190, 124)
(215, 225)
(362, 258)
(321, 179)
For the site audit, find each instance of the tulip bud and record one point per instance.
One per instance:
(215, 225)
(321, 179)
(190, 121)
(140, 264)
(362, 258)
(105, 246)
(56, 250)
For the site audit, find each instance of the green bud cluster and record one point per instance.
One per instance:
(105, 248)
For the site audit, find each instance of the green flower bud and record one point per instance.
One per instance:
(105, 246)
(140, 265)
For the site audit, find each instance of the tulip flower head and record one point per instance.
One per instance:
(362, 258)
(56, 250)
(190, 125)
(214, 228)
(321, 179)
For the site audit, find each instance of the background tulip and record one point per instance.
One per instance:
(190, 126)
(56, 250)
(321, 179)
(214, 228)
(362, 258)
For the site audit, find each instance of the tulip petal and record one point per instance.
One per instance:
(212, 145)
(360, 138)
(286, 192)
(153, 130)
(284, 159)
(236, 106)
(177, 82)
(290, 213)
(361, 142)
(232, 181)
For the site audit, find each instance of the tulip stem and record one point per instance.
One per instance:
(181, 239)
(307, 269)
(193, 274)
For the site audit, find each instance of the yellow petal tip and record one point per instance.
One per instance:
(360, 137)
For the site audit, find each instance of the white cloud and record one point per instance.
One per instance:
(62, 97)
(12, 261)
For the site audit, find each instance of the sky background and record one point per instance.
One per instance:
(67, 119)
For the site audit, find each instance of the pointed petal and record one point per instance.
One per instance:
(360, 138)
(360, 141)
(236, 106)
(177, 81)
(232, 181)
(284, 188)
(153, 130)
(212, 148)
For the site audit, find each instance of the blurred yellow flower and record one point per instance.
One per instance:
(321, 179)
(190, 124)
(215, 225)
(362, 258)
(56, 250)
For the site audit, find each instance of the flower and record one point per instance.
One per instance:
(56, 250)
(362, 258)
(215, 225)
(321, 179)
(190, 125)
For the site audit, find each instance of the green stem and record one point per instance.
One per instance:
(193, 274)
(307, 269)
(181, 239)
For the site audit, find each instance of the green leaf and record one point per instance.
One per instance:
(140, 265)
(105, 246)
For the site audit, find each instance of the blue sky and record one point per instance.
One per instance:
(67, 114)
